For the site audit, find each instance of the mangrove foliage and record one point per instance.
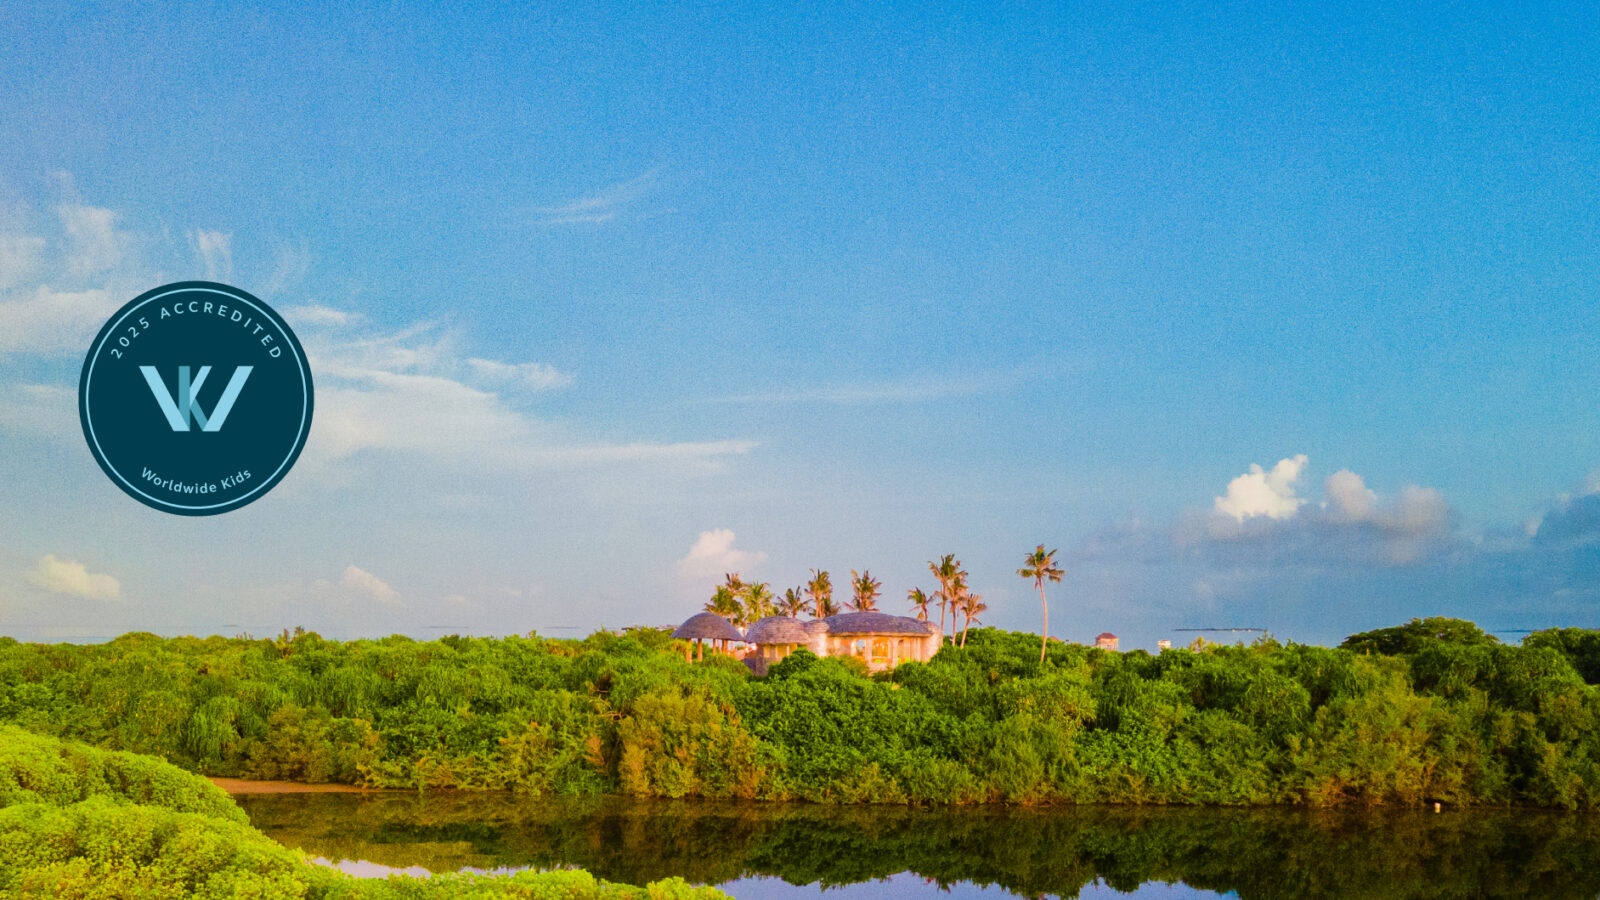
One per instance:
(1432, 711)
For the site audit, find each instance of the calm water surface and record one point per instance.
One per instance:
(772, 851)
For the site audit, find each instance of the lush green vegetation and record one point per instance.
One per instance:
(1434, 710)
(80, 822)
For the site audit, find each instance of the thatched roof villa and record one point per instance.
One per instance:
(708, 626)
(881, 640)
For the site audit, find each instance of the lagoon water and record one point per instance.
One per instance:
(759, 851)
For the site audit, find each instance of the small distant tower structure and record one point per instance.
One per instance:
(1105, 640)
(1163, 644)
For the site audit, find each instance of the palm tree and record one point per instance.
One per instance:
(919, 602)
(970, 605)
(724, 603)
(1041, 565)
(958, 596)
(793, 603)
(866, 590)
(757, 602)
(820, 590)
(946, 570)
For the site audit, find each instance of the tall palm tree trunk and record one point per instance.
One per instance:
(1046, 641)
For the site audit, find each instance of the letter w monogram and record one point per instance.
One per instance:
(180, 412)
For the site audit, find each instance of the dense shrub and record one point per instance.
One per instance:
(76, 822)
(1430, 710)
(38, 769)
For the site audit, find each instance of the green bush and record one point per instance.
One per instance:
(76, 822)
(38, 769)
(1432, 709)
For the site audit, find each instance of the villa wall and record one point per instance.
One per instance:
(880, 651)
(896, 643)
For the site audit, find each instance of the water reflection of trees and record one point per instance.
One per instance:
(1259, 853)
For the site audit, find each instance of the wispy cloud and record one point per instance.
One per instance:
(579, 454)
(603, 205)
(412, 391)
(409, 389)
(48, 322)
(448, 420)
(316, 314)
(536, 376)
(867, 394)
(56, 291)
(19, 258)
(215, 250)
(96, 245)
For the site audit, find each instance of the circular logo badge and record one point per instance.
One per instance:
(195, 398)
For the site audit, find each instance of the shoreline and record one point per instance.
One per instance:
(243, 786)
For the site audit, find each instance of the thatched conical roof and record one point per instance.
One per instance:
(878, 623)
(776, 630)
(708, 626)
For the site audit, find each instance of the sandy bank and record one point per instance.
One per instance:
(240, 786)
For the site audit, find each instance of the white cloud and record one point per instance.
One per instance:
(19, 258)
(96, 245)
(360, 581)
(536, 376)
(51, 321)
(67, 576)
(215, 249)
(1352, 522)
(713, 554)
(1349, 498)
(1264, 493)
(1420, 510)
(1417, 511)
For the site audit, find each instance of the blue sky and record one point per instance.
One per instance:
(603, 302)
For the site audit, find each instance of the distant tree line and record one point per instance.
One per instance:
(1430, 711)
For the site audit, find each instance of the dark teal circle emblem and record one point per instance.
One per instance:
(195, 398)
